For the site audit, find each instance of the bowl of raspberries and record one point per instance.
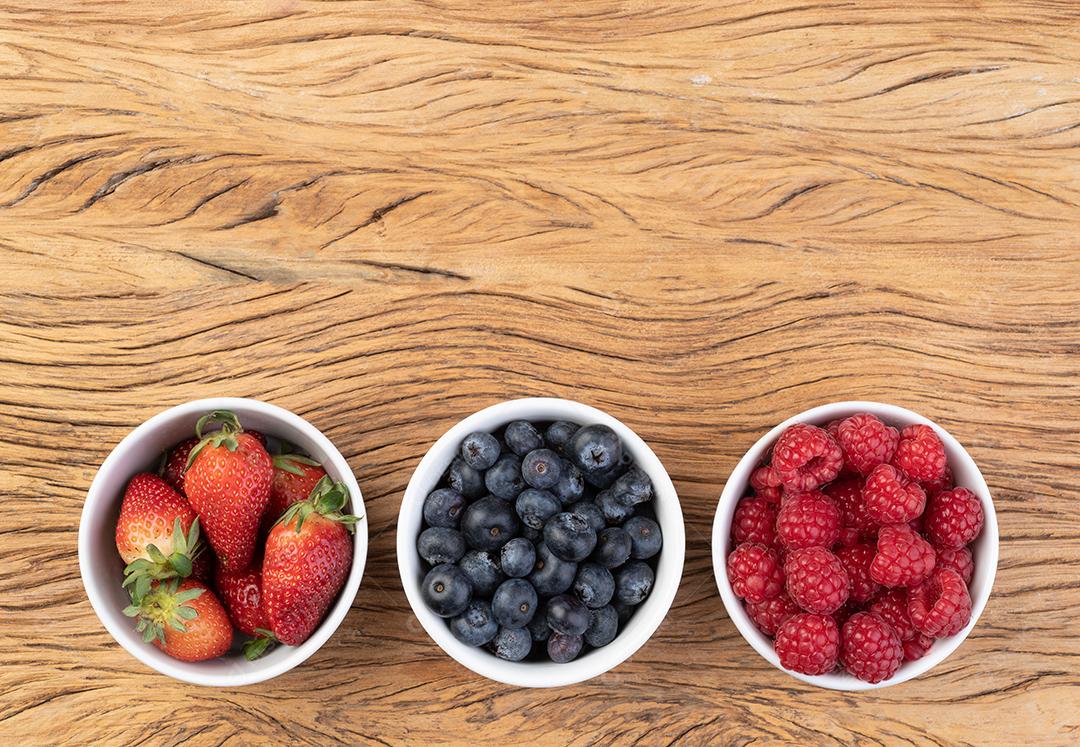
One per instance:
(540, 542)
(222, 541)
(855, 545)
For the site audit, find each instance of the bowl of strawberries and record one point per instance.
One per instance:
(222, 542)
(855, 545)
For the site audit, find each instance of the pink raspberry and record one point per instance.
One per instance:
(916, 647)
(903, 557)
(856, 561)
(808, 643)
(870, 648)
(806, 457)
(754, 572)
(954, 518)
(941, 605)
(754, 521)
(945, 482)
(772, 613)
(892, 608)
(766, 484)
(816, 580)
(891, 497)
(808, 520)
(866, 442)
(847, 494)
(957, 560)
(920, 454)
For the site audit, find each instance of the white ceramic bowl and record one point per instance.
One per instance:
(984, 549)
(644, 621)
(102, 569)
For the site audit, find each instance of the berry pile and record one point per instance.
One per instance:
(277, 548)
(852, 551)
(539, 542)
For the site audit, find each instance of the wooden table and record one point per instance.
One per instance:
(387, 215)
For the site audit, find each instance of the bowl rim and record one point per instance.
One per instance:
(597, 661)
(260, 670)
(736, 487)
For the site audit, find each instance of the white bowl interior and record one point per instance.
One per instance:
(641, 625)
(102, 568)
(966, 474)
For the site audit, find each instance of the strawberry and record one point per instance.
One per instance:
(308, 557)
(176, 463)
(295, 476)
(184, 619)
(228, 484)
(242, 595)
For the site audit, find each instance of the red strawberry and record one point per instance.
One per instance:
(228, 484)
(295, 476)
(308, 557)
(176, 463)
(242, 595)
(184, 619)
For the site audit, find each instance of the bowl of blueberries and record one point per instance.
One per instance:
(540, 542)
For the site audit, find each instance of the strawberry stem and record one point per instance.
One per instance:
(327, 498)
(289, 462)
(226, 436)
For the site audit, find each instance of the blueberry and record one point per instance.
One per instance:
(569, 536)
(613, 546)
(588, 511)
(645, 537)
(541, 468)
(615, 513)
(606, 478)
(489, 524)
(632, 487)
(551, 574)
(512, 644)
(624, 611)
(538, 627)
(594, 585)
(504, 480)
(476, 625)
(521, 437)
(483, 572)
(514, 603)
(518, 557)
(464, 479)
(594, 449)
(533, 535)
(558, 433)
(564, 648)
(567, 614)
(446, 590)
(571, 484)
(535, 507)
(633, 582)
(443, 507)
(603, 625)
(440, 545)
(479, 450)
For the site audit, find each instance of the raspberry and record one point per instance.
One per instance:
(808, 644)
(816, 580)
(903, 557)
(849, 536)
(847, 494)
(917, 647)
(847, 609)
(808, 520)
(866, 442)
(957, 560)
(871, 650)
(891, 497)
(892, 608)
(754, 521)
(945, 482)
(772, 613)
(833, 428)
(954, 518)
(766, 484)
(920, 454)
(806, 457)
(754, 572)
(856, 561)
(941, 605)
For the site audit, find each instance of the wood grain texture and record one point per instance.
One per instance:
(386, 215)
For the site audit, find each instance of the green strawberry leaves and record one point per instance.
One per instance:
(226, 436)
(140, 574)
(260, 644)
(163, 606)
(289, 462)
(327, 498)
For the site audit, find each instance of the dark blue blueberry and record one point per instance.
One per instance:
(606, 478)
(615, 513)
(567, 614)
(645, 537)
(613, 547)
(569, 536)
(558, 434)
(440, 545)
(443, 508)
(512, 644)
(551, 574)
(489, 524)
(624, 611)
(594, 585)
(603, 625)
(464, 479)
(476, 625)
(480, 450)
(633, 582)
(563, 648)
(632, 487)
(571, 484)
(538, 627)
(588, 511)
(514, 603)
(446, 590)
(595, 449)
(483, 571)
(504, 480)
(535, 507)
(541, 468)
(518, 556)
(522, 437)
